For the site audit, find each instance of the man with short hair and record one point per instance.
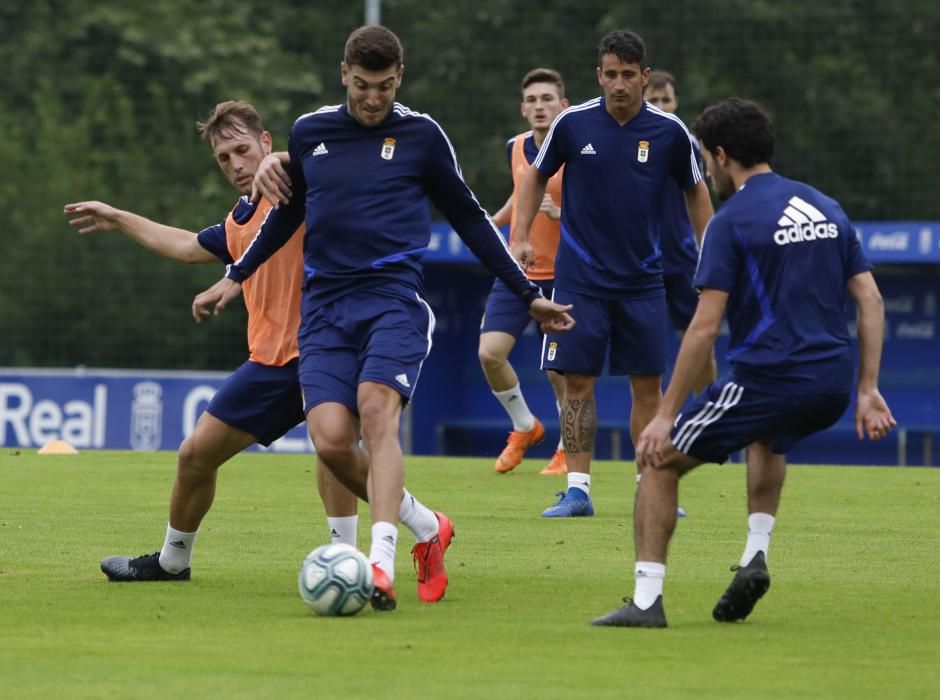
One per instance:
(780, 258)
(506, 317)
(362, 175)
(676, 236)
(261, 400)
(619, 153)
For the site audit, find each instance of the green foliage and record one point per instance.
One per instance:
(99, 101)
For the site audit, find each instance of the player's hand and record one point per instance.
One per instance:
(651, 447)
(89, 217)
(524, 254)
(873, 416)
(215, 298)
(271, 181)
(552, 317)
(549, 208)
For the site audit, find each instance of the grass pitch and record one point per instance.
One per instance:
(853, 610)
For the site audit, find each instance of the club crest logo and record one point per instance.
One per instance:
(552, 350)
(643, 151)
(388, 149)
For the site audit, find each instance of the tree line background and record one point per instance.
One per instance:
(100, 102)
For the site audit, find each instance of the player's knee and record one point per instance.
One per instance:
(334, 451)
(376, 420)
(192, 461)
(489, 359)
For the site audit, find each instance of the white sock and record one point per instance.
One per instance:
(649, 577)
(177, 552)
(384, 541)
(579, 480)
(515, 405)
(417, 517)
(343, 530)
(759, 527)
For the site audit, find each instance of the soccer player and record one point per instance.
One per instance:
(676, 236)
(506, 317)
(261, 400)
(780, 258)
(619, 154)
(362, 173)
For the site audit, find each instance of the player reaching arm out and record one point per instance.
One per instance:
(168, 241)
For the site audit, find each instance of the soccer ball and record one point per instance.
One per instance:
(335, 579)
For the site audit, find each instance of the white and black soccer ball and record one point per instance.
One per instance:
(336, 579)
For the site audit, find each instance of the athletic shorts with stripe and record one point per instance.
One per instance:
(727, 417)
(507, 313)
(362, 337)
(261, 400)
(630, 334)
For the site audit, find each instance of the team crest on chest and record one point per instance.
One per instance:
(388, 149)
(643, 151)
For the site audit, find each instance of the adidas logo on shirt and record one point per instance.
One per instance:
(588, 151)
(803, 222)
(402, 379)
(320, 150)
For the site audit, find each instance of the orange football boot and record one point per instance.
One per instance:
(516, 446)
(557, 465)
(383, 595)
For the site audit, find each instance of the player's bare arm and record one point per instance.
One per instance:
(214, 300)
(697, 344)
(699, 204)
(504, 215)
(872, 414)
(549, 208)
(271, 179)
(531, 194)
(168, 241)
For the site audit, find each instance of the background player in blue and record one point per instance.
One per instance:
(780, 258)
(506, 317)
(619, 153)
(676, 237)
(363, 174)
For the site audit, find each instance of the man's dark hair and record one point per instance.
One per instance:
(625, 45)
(544, 75)
(374, 48)
(741, 127)
(228, 117)
(659, 79)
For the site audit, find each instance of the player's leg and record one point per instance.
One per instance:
(504, 320)
(398, 339)
(234, 420)
(766, 472)
(578, 429)
(654, 520)
(579, 356)
(558, 463)
(682, 298)
(796, 417)
(647, 396)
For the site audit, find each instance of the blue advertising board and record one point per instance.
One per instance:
(884, 242)
(111, 409)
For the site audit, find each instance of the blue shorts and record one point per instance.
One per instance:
(635, 331)
(507, 313)
(362, 337)
(728, 417)
(261, 400)
(682, 298)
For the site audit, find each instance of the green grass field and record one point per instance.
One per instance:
(853, 611)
